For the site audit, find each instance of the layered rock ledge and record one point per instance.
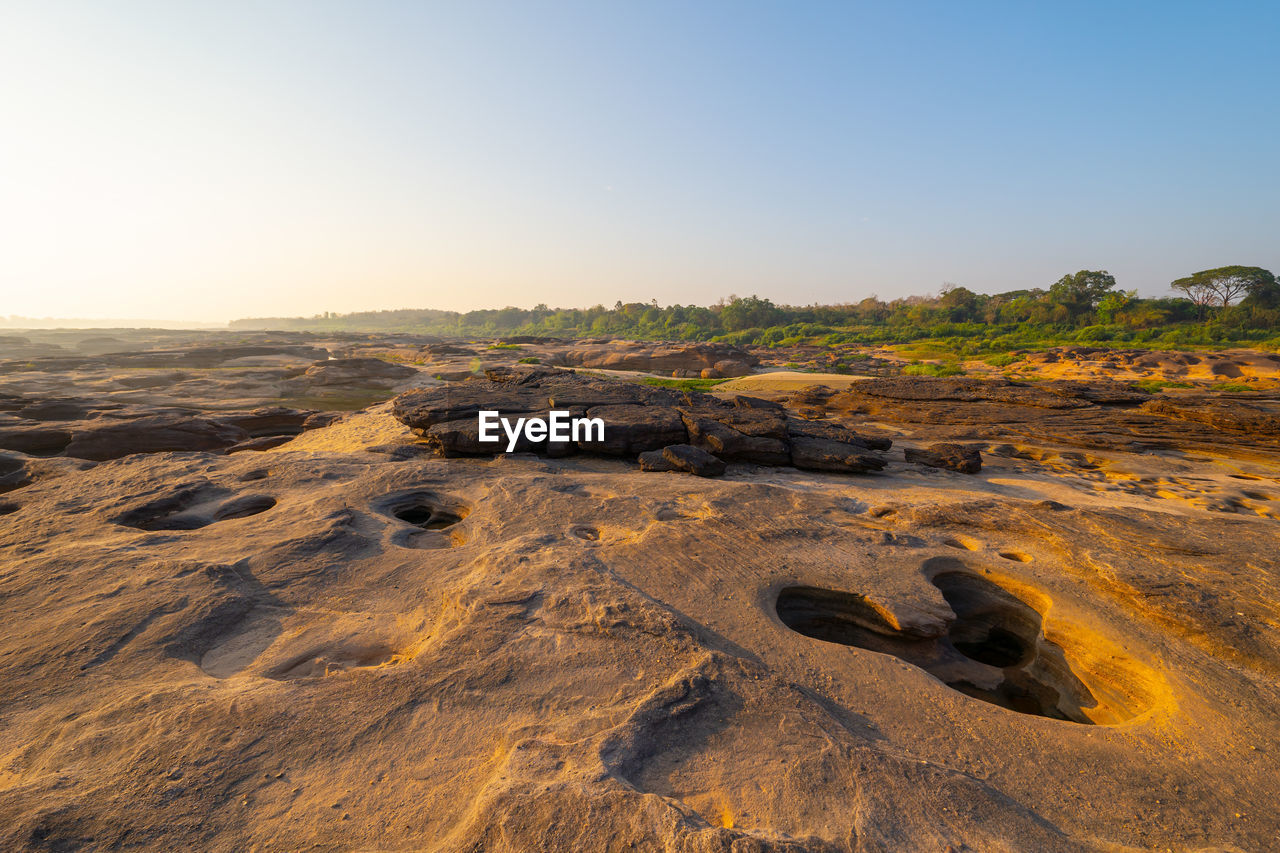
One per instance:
(638, 419)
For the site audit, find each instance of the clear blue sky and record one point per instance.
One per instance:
(211, 160)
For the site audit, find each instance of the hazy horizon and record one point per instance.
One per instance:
(176, 162)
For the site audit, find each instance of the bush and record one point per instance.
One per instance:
(682, 384)
(1153, 385)
(531, 359)
(950, 369)
(1003, 359)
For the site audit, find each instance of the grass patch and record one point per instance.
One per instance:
(504, 346)
(1232, 387)
(1151, 386)
(1003, 359)
(933, 370)
(682, 384)
(530, 359)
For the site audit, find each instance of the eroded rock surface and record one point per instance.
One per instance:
(345, 643)
(680, 359)
(637, 419)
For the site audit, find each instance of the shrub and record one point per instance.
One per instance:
(1003, 359)
(1154, 385)
(682, 384)
(926, 369)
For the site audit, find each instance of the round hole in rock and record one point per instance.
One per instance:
(994, 650)
(999, 648)
(1016, 556)
(243, 507)
(427, 511)
(6, 508)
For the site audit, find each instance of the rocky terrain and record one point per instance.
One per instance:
(268, 594)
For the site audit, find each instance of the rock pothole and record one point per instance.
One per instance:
(995, 650)
(193, 507)
(426, 510)
(434, 516)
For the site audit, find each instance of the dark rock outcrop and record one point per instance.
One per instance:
(956, 457)
(682, 457)
(632, 429)
(273, 420)
(38, 441)
(1227, 415)
(192, 357)
(356, 371)
(639, 421)
(684, 359)
(686, 457)
(264, 442)
(821, 454)
(154, 434)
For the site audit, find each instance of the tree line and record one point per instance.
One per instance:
(1234, 303)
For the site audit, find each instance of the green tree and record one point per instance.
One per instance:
(1226, 284)
(1081, 292)
(749, 313)
(1114, 302)
(959, 303)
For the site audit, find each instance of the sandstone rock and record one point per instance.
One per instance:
(153, 434)
(273, 420)
(192, 357)
(35, 441)
(834, 432)
(956, 457)
(638, 418)
(356, 371)
(55, 410)
(964, 389)
(743, 401)
(13, 473)
(632, 429)
(732, 367)
(683, 359)
(265, 442)
(446, 350)
(655, 460)
(318, 420)
(686, 457)
(739, 434)
(1222, 414)
(821, 454)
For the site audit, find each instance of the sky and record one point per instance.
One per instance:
(208, 161)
